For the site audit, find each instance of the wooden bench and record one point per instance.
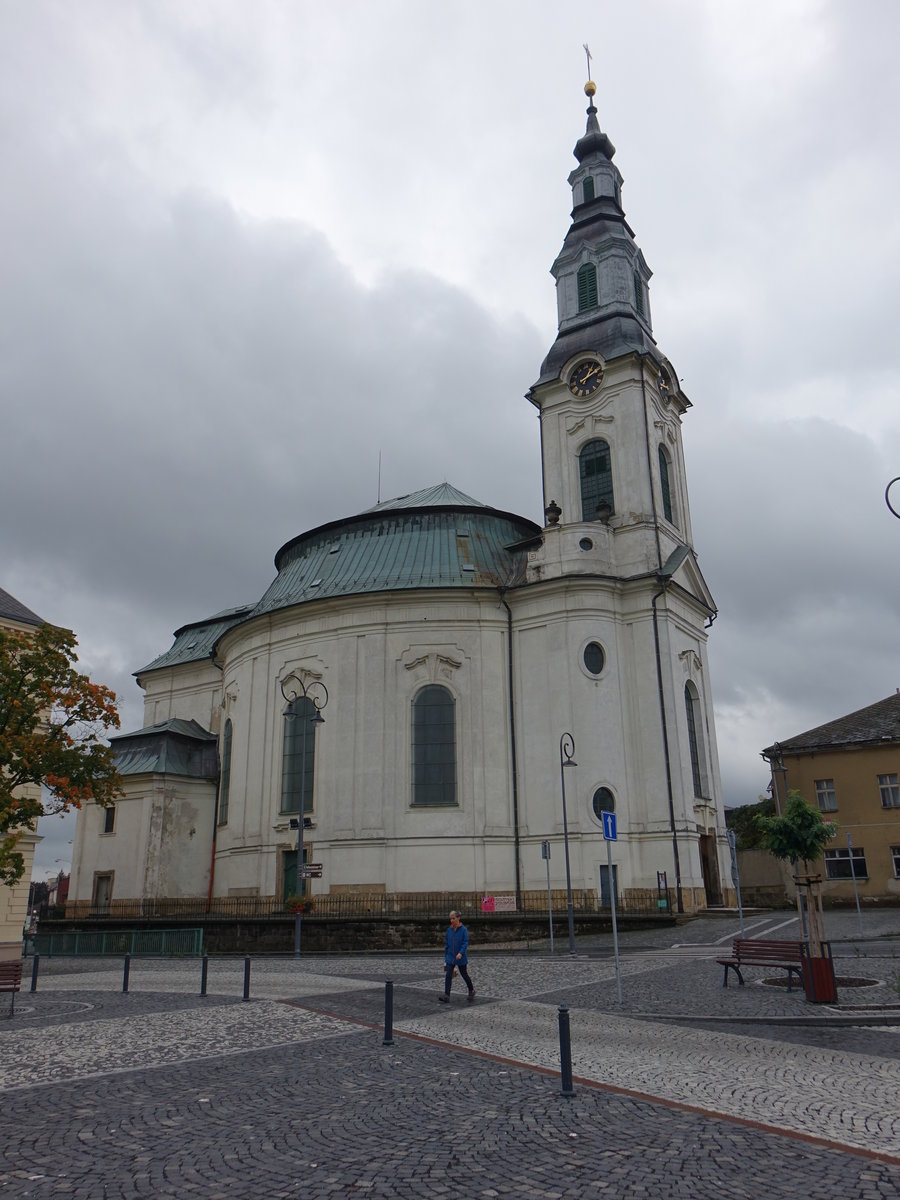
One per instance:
(762, 952)
(11, 979)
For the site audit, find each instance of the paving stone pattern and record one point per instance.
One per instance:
(162, 1093)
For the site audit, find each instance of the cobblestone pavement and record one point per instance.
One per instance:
(685, 1090)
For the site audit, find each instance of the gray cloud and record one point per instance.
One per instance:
(248, 249)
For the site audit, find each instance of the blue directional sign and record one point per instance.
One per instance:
(609, 826)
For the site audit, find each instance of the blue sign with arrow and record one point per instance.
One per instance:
(609, 826)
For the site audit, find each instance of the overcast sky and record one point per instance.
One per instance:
(247, 247)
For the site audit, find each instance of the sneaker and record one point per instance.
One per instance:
(444, 999)
(471, 995)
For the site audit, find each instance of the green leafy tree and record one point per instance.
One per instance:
(799, 835)
(743, 821)
(52, 720)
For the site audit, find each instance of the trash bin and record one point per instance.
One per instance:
(818, 974)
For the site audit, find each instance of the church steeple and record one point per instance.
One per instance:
(602, 278)
(610, 403)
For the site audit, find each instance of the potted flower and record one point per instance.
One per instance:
(299, 904)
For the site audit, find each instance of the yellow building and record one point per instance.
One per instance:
(14, 900)
(850, 769)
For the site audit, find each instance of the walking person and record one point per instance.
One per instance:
(456, 945)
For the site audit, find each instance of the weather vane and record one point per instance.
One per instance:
(587, 51)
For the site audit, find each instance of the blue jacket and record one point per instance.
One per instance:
(457, 942)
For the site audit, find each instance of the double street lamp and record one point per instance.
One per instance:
(314, 696)
(566, 750)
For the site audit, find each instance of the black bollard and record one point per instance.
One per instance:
(246, 978)
(388, 1013)
(34, 972)
(204, 968)
(126, 973)
(565, 1052)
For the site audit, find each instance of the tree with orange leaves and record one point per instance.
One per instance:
(52, 722)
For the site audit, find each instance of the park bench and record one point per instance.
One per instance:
(762, 952)
(11, 979)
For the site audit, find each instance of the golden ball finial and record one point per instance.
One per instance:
(590, 89)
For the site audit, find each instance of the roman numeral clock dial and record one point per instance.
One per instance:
(585, 379)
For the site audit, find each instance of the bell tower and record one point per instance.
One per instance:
(615, 575)
(610, 404)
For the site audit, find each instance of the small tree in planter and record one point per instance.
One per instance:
(800, 834)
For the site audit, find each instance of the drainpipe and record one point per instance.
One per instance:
(512, 744)
(665, 733)
(212, 857)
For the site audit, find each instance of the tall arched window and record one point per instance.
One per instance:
(297, 727)
(595, 470)
(433, 747)
(225, 773)
(588, 189)
(694, 714)
(587, 287)
(665, 485)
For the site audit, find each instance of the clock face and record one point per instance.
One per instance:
(585, 379)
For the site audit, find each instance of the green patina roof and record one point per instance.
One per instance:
(435, 538)
(173, 747)
(196, 641)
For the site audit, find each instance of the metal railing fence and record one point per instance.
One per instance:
(140, 943)
(356, 906)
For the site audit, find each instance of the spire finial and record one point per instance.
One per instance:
(590, 88)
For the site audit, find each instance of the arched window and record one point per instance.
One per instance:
(587, 287)
(665, 485)
(433, 747)
(638, 294)
(299, 729)
(225, 773)
(603, 801)
(595, 469)
(694, 714)
(588, 189)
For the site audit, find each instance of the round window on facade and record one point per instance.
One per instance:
(604, 801)
(594, 658)
(586, 544)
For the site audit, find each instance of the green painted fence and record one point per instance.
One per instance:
(141, 943)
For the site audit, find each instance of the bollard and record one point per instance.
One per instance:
(246, 978)
(126, 973)
(34, 972)
(388, 1013)
(204, 968)
(565, 1052)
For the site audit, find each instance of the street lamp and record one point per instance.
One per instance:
(567, 749)
(887, 497)
(315, 696)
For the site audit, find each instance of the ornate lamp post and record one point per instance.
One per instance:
(315, 692)
(566, 750)
(887, 496)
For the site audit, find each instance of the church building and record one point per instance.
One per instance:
(423, 678)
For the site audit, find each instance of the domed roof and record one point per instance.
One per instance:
(435, 538)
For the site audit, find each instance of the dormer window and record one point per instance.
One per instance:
(588, 189)
(587, 287)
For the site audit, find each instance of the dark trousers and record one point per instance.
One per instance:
(448, 977)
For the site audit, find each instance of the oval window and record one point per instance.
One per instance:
(604, 801)
(594, 658)
(586, 544)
